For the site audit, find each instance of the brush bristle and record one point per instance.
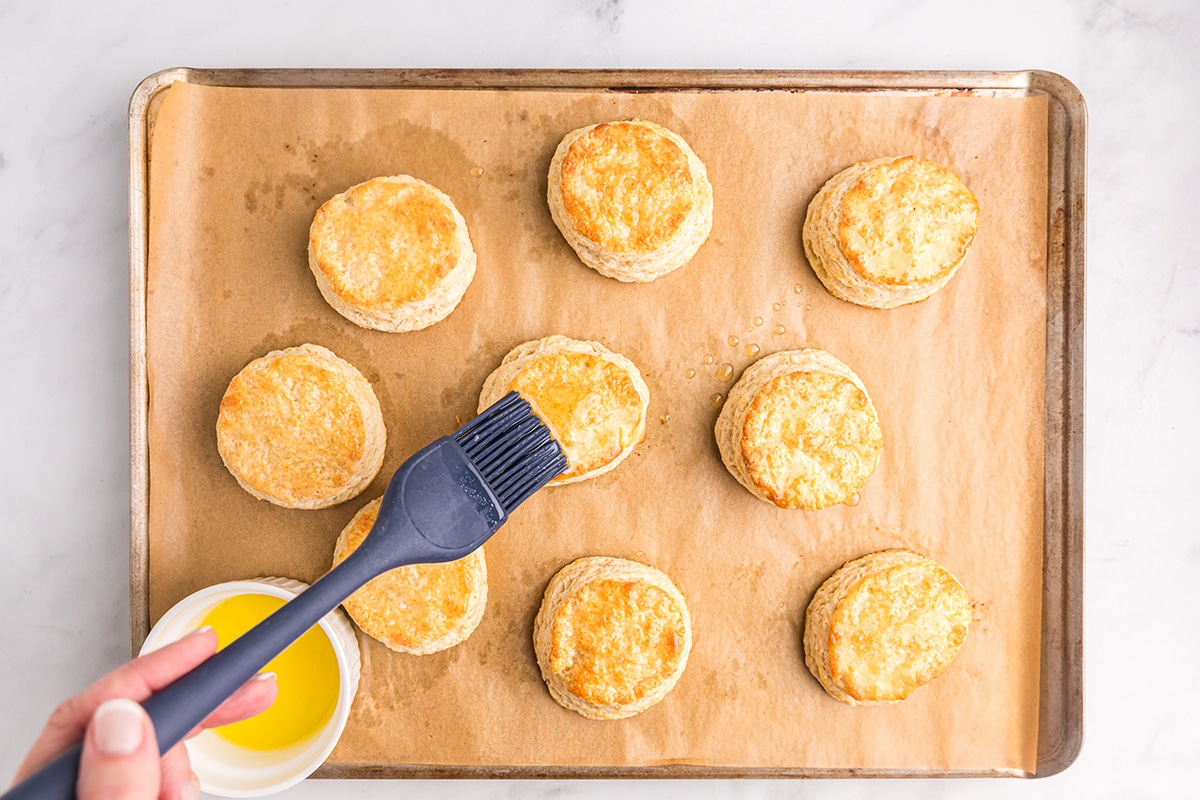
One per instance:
(512, 449)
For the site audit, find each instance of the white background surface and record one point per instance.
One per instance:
(66, 73)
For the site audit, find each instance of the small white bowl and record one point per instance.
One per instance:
(225, 769)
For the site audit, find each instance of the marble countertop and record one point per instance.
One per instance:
(66, 73)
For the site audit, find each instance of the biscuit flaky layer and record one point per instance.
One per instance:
(884, 625)
(799, 430)
(418, 609)
(301, 428)
(391, 254)
(612, 637)
(631, 198)
(593, 400)
(889, 232)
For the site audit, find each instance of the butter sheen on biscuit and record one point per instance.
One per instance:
(631, 198)
(884, 625)
(301, 428)
(593, 400)
(417, 609)
(612, 637)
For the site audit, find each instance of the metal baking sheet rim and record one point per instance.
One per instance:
(1060, 720)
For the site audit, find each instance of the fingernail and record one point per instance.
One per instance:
(201, 630)
(264, 676)
(117, 727)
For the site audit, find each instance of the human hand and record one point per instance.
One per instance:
(120, 757)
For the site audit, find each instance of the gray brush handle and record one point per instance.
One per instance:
(437, 508)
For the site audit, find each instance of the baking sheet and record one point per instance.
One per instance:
(960, 401)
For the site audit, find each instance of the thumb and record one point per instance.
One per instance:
(120, 755)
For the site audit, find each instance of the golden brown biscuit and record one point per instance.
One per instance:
(799, 430)
(612, 637)
(631, 198)
(889, 232)
(301, 428)
(593, 400)
(391, 254)
(418, 609)
(884, 625)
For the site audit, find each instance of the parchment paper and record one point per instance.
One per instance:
(236, 175)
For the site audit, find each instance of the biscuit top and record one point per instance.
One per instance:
(906, 221)
(385, 242)
(810, 439)
(589, 403)
(291, 428)
(408, 606)
(614, 642)
(896, 630)
(626, 187)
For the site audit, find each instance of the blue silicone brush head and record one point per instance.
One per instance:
(512, 450)
(453, 494)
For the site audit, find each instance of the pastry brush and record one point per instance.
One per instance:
(442, 504)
